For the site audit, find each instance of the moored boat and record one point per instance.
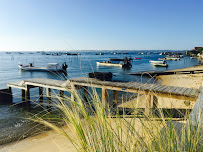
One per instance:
(54, 67)
(125, 62)
(159, 63)
(156, 62)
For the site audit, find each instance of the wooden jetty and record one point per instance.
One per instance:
(149, 90)
(168, 72)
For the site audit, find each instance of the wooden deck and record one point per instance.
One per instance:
(133, 87)
(194, 70)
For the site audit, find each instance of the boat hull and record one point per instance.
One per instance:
(41, 69)
(109, 64)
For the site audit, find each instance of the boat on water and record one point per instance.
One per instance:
(54, 67)
(137, 58)
(125, 63)
(156, 62)
(172, 58)
(159, 63)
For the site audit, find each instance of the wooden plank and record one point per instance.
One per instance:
(176, 91)
(166, 90)
(187, 91)
(160, 88)
(182, 90)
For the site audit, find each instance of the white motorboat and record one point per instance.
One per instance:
(156, 62)
(54, 67)
(172, 58)
(108, 63)
(159, 63)
(125, 63)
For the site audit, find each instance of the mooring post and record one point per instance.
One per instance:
(115, 98)
(28, 106)
(48, 93)
(104, 97)
(40, 94)
(147, 104)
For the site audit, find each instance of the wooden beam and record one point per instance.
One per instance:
(104, 97)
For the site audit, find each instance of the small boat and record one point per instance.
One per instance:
(104, 76)
(156, 62)
(54, 67)
(159, 63)
(137, 58)
(192, 57)
(172, 58)
(125, 63)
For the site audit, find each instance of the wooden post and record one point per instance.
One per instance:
(48, 93)
(28, 106)
(40, 94)
(23, 97)
(104, 97)
(147, 104)
(115, 98)
(85, 93)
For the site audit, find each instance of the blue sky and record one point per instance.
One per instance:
(100, 24)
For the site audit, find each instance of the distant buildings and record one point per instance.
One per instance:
(196, 48)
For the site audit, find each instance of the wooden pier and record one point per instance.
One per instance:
(149, 90)
(169, 72)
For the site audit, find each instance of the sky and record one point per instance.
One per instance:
(48, 25)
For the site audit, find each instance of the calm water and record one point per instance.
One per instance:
(11, 122)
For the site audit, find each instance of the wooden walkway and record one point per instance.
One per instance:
(169, 72)
(149, 90)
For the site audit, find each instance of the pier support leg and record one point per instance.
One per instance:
(115, 98)
(40, 94)
(61, 94)
(148, 104)
(10, 90)
(23, 97)
(155, 102)
(28, 106)
(104, 97)
(48, 93)
(85, 93)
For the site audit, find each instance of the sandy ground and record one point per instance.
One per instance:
(46, 142)
(53, 142)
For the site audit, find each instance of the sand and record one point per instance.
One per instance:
(46, 142)
(53, 142)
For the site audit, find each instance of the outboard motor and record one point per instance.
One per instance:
(64, 66)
